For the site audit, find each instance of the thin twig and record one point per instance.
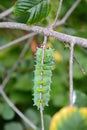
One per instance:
(17, 41)
(61, 22)
(84, 50)
(2, 86)
(58, 13)
(5, 13)
(41, 86)
(47, 32)
(80, 66)
(75, 58)
(71, 72)
(15, 65)
(17, 110)
(2, 7)
(42, 118)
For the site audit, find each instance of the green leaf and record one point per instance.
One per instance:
(20, 97)
(73, 122)
(7, 112)
(80, 99)
(2, 69)
(13, 126)
(23, 83)
(1, 108)
(31, 114)
(62, 99)
(35, 10)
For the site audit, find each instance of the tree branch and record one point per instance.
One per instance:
(5, 13)
(69, 12)
(17, 40)
(47, 32)
(16, 109)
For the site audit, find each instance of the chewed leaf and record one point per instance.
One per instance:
(36, 10)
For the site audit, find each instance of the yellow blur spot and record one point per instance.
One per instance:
(49, 45)
(57, 56)
(83, 111)
(54, 67)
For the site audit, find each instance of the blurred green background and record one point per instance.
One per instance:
(20, 87)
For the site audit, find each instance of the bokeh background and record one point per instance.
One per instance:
(20, 86)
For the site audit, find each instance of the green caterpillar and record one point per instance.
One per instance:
(42, 85)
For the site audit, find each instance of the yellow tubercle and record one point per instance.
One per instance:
(57, 56)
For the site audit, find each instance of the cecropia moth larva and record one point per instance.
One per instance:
(42, 85)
